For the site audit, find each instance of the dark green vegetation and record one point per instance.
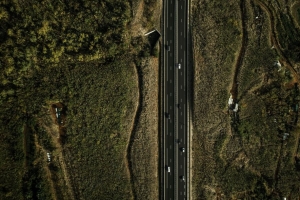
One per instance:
(295, 12)
(252, 154)
(288, 35)
(79, 53)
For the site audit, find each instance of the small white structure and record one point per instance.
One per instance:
(155, 30)
(277, 64)
(48, 157)
(56, 110)
(230, 100)
(236, 108)
(285, 136)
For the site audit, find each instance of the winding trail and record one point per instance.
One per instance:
(274, 40)
(240, 59)
(138, 111)
(46, 168)
(284, 60)
(55, 131)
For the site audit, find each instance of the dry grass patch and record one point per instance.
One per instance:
(144, 149)
(248, 146)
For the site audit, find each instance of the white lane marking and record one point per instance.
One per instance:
(180, 32)
(167, 102)
(170, 146)
(167, 156)
(184, 122)
(170, 27)
(184, 75)
(180, 100)
(184, 15)
(181, 126)
(180, 46)
(183, 165)
(181, 113)
(167, 12)
(180, 86)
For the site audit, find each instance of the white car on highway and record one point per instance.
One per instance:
(178, 65)
(182, 177)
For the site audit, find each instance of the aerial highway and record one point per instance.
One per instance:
(174, 89)
(181, 125)
(169, 101)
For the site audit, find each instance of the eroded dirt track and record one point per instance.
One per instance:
(239, 62)
(274, 39)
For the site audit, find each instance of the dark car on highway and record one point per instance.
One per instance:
(168, 115)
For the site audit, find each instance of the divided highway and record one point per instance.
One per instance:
(174, 84)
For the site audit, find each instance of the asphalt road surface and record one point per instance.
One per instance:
(175, 99)
(182, 97)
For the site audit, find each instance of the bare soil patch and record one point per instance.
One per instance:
(56, 168)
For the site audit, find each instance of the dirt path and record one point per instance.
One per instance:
(59, 150)
(284, 60)
(55, 131)
(25, 145)
(277, 170)
(142, 151)
(66, 175)
(137, 112)
(274, 40)
(240, 59)
(48, 172)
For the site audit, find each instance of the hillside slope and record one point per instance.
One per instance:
(245, 49)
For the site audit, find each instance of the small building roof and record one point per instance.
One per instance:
(277, 63)
(236, 108)
(230, 100)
